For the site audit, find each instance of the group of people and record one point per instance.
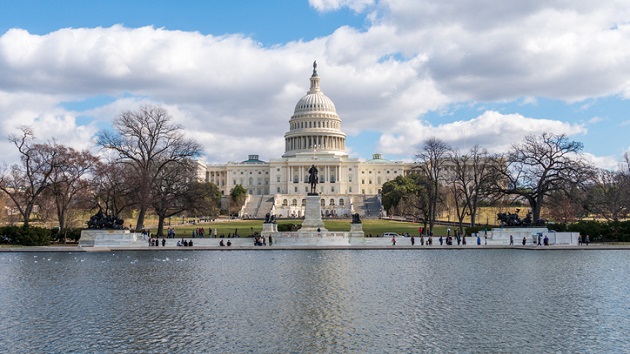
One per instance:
(448, 240)
(184, 243)
(260, 240)
(222, 244)
(154, 241)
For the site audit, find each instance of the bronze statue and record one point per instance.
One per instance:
(103, 220)
(313, 178)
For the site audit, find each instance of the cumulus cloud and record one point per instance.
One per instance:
(492, 130)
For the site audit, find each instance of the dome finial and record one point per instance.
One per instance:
(315, 68)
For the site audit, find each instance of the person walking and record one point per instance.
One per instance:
(394, 241)
(511, 240)
(413, 241)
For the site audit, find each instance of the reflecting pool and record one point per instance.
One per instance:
(364, 301)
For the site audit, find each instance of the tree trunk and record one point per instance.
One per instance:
(160, 229)
(141, 214)
(27, 215)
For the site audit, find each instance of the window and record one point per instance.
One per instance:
(285, 202)
(349, 178)
(251, 181)
(332, 189)
(322, 202)
(362, 181)
(332, 202)
(277, 189)
(341, 202)
(332, 179)
(278, 178)
(294, 202)
(303, 202)
(295, 189)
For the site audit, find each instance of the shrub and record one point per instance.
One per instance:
(288, 227)
(25, 236)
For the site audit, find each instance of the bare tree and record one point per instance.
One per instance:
(69, 180)
(113, 188)
(431, 159)
(471, 182)
(541, 165)
(25, 182)
(171, 191)
(148, 141)
(608, 195)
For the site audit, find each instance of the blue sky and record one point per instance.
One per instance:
(399, 71)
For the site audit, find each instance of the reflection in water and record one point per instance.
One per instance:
(316, 301)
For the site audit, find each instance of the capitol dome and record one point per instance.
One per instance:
(315, 125)
(314, 102)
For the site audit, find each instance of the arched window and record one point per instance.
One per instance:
(341, 202)
(285, 202)
(303, 202)
(322, 202)
(332, 202)
(294, 202)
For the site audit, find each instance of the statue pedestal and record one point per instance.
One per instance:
(356, 230)
(312, 215)
(269, 227)
(108, 238)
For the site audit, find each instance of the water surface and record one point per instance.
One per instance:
(366, 301)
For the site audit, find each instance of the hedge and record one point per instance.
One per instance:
(25, 236)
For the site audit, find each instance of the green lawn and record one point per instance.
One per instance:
(247, 227)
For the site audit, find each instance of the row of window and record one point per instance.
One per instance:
(317, 124)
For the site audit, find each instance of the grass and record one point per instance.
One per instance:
(247, 227)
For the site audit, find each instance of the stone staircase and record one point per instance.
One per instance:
(368, 206)
(257, 206)
(251, 206)
(265, 206)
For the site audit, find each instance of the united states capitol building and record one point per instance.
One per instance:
(315, 137)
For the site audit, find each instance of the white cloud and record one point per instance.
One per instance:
(492, 130)
(332, 5)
